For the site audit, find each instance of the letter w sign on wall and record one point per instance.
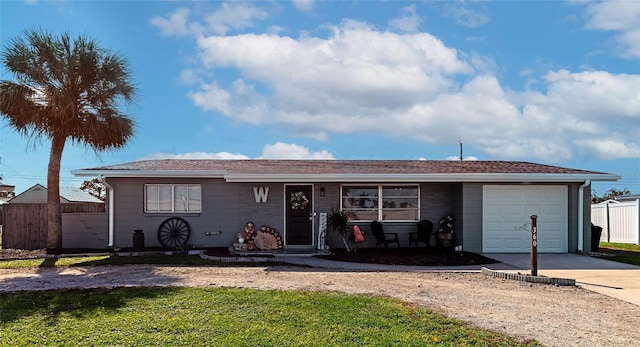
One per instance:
(261, 193)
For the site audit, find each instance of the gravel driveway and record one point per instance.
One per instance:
(555, 316)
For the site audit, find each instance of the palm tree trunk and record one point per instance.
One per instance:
(54, 214)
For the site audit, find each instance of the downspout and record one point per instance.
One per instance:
(111, 210)
(581, 214)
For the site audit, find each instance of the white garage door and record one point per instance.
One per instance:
(506, 210)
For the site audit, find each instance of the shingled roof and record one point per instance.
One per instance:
(345, 170)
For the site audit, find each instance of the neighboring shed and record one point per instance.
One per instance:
(37, 194)
(84, 221)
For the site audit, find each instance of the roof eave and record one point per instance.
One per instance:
(400, 178)
(150, 173)
(412, 178)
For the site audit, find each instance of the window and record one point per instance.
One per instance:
(172, 198)
(381, 202)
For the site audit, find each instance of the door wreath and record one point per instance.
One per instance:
(298, 201)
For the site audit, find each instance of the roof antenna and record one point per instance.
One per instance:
(460, 141)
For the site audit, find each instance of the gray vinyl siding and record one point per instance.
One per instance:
(226, 207)
(457, 208)
(572, 216)
(270, 213)
(436, 201)
(218, 210)
(472, 217)
(574, 192)
(586, 220)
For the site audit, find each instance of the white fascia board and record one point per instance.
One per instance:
(413, 178)
(341, 178)
(150, 173)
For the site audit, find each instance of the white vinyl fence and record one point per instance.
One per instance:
(620, 220)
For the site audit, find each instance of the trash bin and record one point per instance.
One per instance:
(138, 240)
(596, 233)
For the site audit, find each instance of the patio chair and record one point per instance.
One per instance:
(383, 238)
(423, 234)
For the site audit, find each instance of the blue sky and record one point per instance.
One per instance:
(548, 82)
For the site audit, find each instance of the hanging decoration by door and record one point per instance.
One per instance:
(298, 201)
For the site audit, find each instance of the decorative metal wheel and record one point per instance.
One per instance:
(174, 232)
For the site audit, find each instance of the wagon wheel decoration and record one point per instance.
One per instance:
(174, 233)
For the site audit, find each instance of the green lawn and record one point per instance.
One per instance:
(218, 317)
(622, 252)
(174, 259)
(226, 317)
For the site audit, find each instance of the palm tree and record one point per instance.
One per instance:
(65, 90)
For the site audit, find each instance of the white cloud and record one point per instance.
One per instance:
(281, 150)
(175, 25)
(469, 158)
(230, 16)
(303, 5)
(212, 98)
(195, 155)
(189, 76)
(278, 150)
(610, 148)
(408, 21)
(360, 79)
(234, 15)
(592, 94)
(275, 30)
(612, 15)
(622, 17)
(579, 108)
(356, 73)
(466, 16)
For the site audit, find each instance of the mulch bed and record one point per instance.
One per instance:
(21, 253)
(389, 256)
(409, 256)
(393, 256)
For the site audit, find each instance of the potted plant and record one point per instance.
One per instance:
(338, 221)
(445, 232)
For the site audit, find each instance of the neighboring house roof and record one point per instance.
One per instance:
(38, 194)
(8, 192)
(627, 197)
(262, 170)
(72, 194)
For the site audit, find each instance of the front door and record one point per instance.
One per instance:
(299, 215)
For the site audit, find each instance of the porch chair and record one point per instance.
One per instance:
(382, 237)
(423, 234)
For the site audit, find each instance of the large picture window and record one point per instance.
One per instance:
(381, 202)
(172, 198)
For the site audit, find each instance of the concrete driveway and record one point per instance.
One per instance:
(618, 280)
